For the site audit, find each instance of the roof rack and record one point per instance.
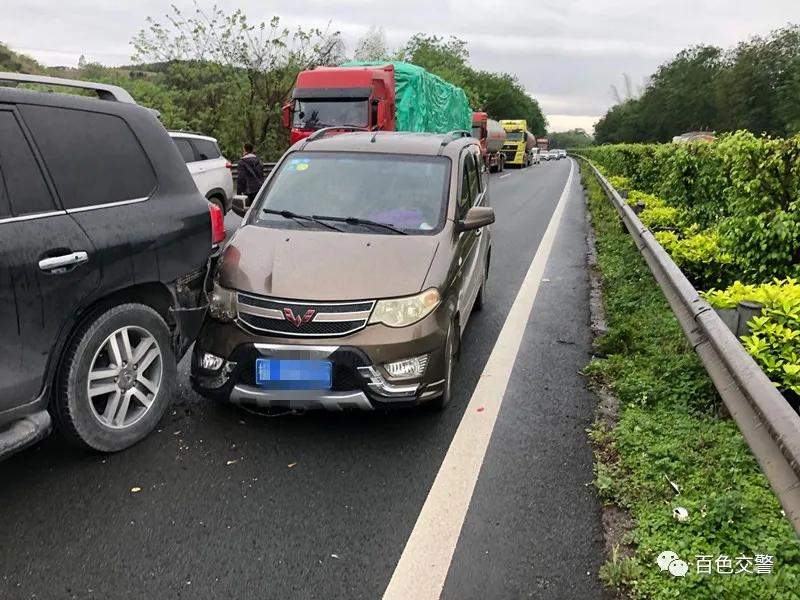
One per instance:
(451, 136)
(104, 91)
(325, 130)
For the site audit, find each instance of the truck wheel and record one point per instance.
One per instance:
(116, 380)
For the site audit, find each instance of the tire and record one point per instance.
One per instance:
(123, 409)
(450, 347)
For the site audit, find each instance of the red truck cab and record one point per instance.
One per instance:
(345, 96)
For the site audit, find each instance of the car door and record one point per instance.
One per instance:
(470, 194)
(47, 266)
(192, 164)
(215, 173)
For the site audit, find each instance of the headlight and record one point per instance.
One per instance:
(222, 303)
(401, 312)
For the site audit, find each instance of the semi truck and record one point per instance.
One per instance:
(520, 143)
(491, 136)
(377, 96)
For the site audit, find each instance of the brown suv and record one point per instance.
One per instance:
(352, 276)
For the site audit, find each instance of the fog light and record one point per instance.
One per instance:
(210, 362)
(407, 368)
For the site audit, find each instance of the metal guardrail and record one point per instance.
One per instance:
(768, 423)
(267, 169)
(239, 203)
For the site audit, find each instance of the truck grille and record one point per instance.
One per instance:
(290, 318)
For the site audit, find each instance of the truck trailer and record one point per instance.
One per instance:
(376, 96)
(520, 143)
(491, 136)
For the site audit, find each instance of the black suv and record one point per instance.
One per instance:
(104, 240)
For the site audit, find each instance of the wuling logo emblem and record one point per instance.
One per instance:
(298, 320)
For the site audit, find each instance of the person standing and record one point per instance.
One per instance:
(249, 174)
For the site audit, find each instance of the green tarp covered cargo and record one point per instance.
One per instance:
(424, 101)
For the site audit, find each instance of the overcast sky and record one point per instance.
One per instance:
(567, 53)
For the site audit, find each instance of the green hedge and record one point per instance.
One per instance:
(742, 189)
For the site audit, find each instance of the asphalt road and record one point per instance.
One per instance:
(240, 506)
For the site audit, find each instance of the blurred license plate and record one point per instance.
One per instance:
(293, 374)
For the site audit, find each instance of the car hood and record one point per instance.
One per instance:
(323, 265)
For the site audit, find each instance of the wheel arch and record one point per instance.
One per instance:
(154, 294)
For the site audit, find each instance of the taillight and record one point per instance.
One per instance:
(228, 165)
(217, 224)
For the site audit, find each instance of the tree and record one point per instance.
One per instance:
(232, 76)
(372, 46)
(574, 138)
(753, 86)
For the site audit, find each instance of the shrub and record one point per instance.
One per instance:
(699, 256)
(774, 340)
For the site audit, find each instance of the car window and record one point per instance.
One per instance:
(463, 197)
(481, 170)
(185, 148)
(93, 158)
(405, 191)
(206, 149)
(22, 180)
(5, 209)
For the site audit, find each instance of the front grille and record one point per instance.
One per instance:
(330, 319)
(250, 300)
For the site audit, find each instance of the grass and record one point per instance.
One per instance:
(668, 430)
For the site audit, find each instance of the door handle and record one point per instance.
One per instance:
(65, 260)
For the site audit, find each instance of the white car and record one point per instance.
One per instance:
(209, 169)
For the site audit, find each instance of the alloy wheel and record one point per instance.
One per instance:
(124, 377)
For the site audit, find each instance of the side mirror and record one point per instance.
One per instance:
(476, 217)
(286, 114)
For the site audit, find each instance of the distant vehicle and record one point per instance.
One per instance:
(304, 313)
(209, 169)
(535, 156)
(562, 153)
(545, 155)
(543, 144)
(694, 136)
(491, 136)
(391, 96)
(519, 143)
(106, 240)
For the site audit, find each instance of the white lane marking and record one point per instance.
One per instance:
(421, 571)
(506, 175)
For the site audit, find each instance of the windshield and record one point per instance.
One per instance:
(514, 135)
(407, 192)
(315, 114)
(476, 132)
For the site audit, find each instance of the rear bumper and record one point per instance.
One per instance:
(24, 432)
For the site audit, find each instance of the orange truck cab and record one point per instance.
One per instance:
(491, 136)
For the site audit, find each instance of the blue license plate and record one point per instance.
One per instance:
(280, 374)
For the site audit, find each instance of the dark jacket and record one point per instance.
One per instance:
(249, 175)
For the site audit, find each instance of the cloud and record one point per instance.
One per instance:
(567, 54)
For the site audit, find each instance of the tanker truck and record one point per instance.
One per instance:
(520, 143)
(491, 136)
(377, 96)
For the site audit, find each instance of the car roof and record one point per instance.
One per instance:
(389, 142)
(191, 134)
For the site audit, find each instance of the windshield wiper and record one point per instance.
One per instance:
(287, 214)
(357, 221)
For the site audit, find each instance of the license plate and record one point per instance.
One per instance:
(281, 374)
